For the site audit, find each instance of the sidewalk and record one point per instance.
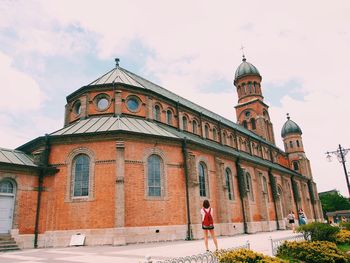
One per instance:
(136, 253)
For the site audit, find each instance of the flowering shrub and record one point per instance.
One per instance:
(317, 231)
(245, 255)
(312, 252)
(343, 237)
(345, 225)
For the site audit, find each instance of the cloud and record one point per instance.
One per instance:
(22, 92)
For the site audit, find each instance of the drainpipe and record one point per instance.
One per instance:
(44, 165)
(184, 154)
(245, 227)
(274, 195)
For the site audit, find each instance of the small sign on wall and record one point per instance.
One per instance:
(77, 240)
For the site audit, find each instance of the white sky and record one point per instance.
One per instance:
(48, 49)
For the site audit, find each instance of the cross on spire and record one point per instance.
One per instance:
(117, 62)
(242, 49)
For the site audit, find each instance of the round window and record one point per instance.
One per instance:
(77, 107)
(133, 104)
(247, 113)
(102, 103)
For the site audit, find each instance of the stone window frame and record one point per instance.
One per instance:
(155, 113)
(205, 161)
(163, 177)
(249, 180)
(132, 96)
(206, 131)
(70, 175)
(74, 107)
(185, 120)
(13, 179)
(172, 116)
(102, 96)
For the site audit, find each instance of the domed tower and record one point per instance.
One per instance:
(251, 111)
(293, 145)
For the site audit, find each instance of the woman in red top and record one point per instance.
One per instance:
(208, 224)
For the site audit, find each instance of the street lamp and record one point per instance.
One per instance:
(340, 153)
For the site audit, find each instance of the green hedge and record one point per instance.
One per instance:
(312, 252)
(317, 231)
(245, 255)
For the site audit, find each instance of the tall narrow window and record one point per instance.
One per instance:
(291, 144)
(229, 183)
(157, 113)
(243, 89)
(230, 140)
(169, 117)
(206, 131)
(298, 144)
(264, 184)
(224, 138)
(296, 166)
(202, 179)
(194, 126)
(255, 87)
(81, 175)
(214, 134)
(245, 125)
(253, 124)
(250, 87)
(184, 123)
(249, 185)
(154, 175)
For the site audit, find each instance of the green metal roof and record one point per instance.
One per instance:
(290, 127)
(119, 75)
(15, 157)
(246, 68)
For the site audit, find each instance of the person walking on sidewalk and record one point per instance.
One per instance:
(291, 220)
(208, 224)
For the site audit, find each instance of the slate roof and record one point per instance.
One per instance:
(15, 157)
(246, 68)
(123, 76)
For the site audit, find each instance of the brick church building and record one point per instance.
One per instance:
(134, 162)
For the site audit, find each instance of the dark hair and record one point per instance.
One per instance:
(206, 203)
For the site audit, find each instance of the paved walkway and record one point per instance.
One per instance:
(136, 253)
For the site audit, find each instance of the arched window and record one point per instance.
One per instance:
(230, 140)
(224, 138)
(81, 175)
(255, 88)
(249, 185)
(291, 144)
(203, 176)
(250, 88)
(184, 123)
(264, 185)
(206, 131)
(298, 144)
(245, 125)
(243, 89)
(6, 187)
(157, 113)
(296, 166)
(214, 134)
(194, 126)
(154, 167)
(228, 176)
(169, 117)
(253, 124)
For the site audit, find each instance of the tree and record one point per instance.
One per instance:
(334, 201)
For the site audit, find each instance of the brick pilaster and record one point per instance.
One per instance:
(119, 218)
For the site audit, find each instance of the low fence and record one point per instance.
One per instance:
(275, 243)
(207, 257)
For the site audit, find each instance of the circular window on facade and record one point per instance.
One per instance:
(102, 102)
(133, 103)
(247, 113)
(77, 107)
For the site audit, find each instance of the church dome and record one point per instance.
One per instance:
(290, 127)
(246, 68)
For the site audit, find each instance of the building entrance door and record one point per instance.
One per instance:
(7, 198)
(6, 213)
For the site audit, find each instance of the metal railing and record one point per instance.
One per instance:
(276, 243)
(207, 257)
